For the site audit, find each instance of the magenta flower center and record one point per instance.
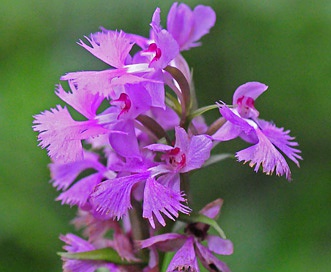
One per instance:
(246, 107)
(175, 158)
(124, 103)
(152, 48)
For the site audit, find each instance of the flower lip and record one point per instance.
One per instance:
(246, 107)
(175, 157)
(152, 48)
(125, 103)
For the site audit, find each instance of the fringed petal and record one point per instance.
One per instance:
(112, 47)
(82, 101)
(282, 140)
(58, 133)
(266, 155)
(158, 198)
(113, 197)
(94, 82)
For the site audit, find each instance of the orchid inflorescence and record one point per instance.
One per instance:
(126, 164)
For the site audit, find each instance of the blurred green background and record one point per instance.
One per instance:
(275, 225)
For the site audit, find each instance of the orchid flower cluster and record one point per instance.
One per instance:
(126, 162)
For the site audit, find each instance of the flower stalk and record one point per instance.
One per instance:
(134, 202)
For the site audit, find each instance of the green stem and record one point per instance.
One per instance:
(201, 111)
(139, 226)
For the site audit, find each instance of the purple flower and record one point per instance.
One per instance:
(188, 26)
(58, 132)
(112, 198)
(267, 139)
(187, 154)
(188, 246)
(164, 48)
(161, 189)
(114, 47)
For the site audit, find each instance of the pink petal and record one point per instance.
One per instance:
(282, 140)
(264, 153)
(94, 82)
(75, 243)
(188, 26)
(236, 120)
(198, 153)
(212, 209)
(204, 19)
(159, 147)
(112, 47)
(185, 258)
(164, 242)
(123, 246)
(158, 198)
(167, 117)
(125, 144)
(249, 89)
(180, 23)
(94, 228)
(113, 197)
(208, 260)
(227, 132)
(169, 49)
(84, 102)
(220, 246)
(62, 136)
(182, 139)
(156, 20)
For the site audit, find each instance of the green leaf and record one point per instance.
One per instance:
(195, 218)
(104, 254)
